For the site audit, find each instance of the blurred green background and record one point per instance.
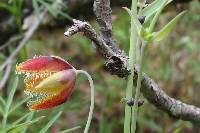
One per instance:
(174, 64)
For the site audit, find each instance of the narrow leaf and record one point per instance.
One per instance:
(19, 127)
(21, 119)
(2, 101)
(128, 11)
(153, 8)
(5, 6)
(49, 7)
(70, 130)
(36, 8)
(158, 36)
(1, 110)
(65, 15)
(135, 19)
(18, 105)
(12, 93)
(156, 16)
(29, 118)
(50, 123)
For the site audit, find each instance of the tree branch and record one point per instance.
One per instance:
(90, 33)
(175, 108)
(117, 63)
(103, 12)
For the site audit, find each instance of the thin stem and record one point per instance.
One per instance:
(132, 56)
(4, 121)
(137, 93)
(92, 99)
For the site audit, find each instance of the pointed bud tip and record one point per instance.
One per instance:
(142, 19)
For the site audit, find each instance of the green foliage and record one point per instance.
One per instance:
(20, 127)
(165, 70)
(29, 118)
(70, 130)
(160, 35)
(133, 14)
(15, 8)
(151, 124)
(152, 8)
(7, 107)
(53, 7)
(50, 123)
(146, 32)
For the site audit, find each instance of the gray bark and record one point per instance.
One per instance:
(117, 63)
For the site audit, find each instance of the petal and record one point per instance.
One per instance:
(33, 80)
(44, 64)
(55, 100)
(56, 82)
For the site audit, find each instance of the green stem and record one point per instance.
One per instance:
(137, 93)
(92, 99)
(4, 122)
(129, 89)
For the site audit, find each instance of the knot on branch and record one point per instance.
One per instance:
(117, 65)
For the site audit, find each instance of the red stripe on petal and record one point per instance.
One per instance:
(44, 63)
(55, 100)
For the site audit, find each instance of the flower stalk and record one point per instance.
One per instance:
(92, 99)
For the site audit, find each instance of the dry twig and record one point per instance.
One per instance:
(117, 63)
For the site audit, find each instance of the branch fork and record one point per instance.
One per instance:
(117, 63)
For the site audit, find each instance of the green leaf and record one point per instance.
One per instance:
(70, 130)
(158, 36)
(36, 8)
(1, 110)
(28, 119)
(153, 8)
(50, 123)
(2, 56)
(156, 16)
(18, 105)
(49, 7)
(150, 124)
(135, 19)
(5, 6)
(2, 105)
(2, 101)
(65, 15)
(178, 130)
(11, 94)
(21, 119)
(19, 127)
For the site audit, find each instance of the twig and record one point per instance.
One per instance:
(89, 32)
(161, 100)
(117, 63)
